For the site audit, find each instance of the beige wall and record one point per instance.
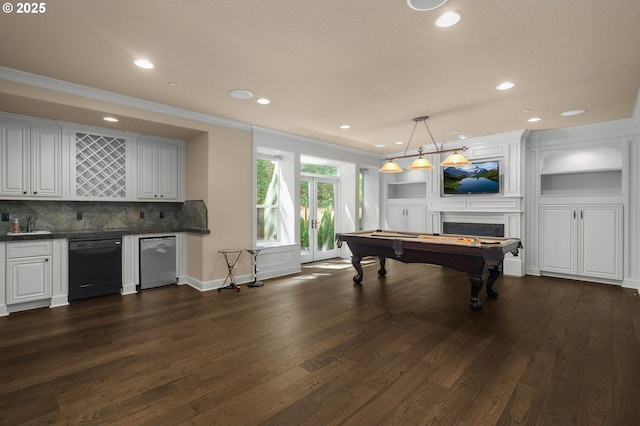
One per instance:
(230, 165)
(196, 179)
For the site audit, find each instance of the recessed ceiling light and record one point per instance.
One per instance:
(458, 134)
(505, 85)
(379, 145)
(110, 119)
(399, 143)
(573, 112)
(240, 94)
(345, 126)
(534, 119)
(422, 5)
(143, 63)
(448, 19)
(526, 110)
(263, 101)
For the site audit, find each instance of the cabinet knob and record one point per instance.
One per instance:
(35, 192)
(156, 196)
(162, 196)
(46, 260)
(24, 192)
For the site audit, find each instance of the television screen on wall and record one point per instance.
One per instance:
(476, 178)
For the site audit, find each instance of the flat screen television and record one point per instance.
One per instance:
(476, 178)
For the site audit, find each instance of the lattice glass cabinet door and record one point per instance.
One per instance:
(101, 166)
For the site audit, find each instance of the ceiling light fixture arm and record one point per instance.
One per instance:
(420, 153)
(442, 151)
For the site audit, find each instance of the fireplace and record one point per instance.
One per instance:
(479, 229)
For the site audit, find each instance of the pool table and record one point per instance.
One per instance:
(477, 256)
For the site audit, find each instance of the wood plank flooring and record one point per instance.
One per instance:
(313, 349)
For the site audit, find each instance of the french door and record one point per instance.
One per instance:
(317, 218)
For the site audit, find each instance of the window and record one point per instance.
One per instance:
(318, 169)
(267, 213)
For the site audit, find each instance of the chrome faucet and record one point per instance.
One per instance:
(30, 225)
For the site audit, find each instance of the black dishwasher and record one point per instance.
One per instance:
(95, 267)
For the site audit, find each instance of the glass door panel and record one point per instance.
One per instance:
(317, 219)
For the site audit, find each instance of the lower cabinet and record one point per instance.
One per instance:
(582, 240)
(28, 271)
(407, 218)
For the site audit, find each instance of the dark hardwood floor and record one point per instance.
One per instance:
(315, 349)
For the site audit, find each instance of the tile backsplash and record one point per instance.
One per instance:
(104, 215)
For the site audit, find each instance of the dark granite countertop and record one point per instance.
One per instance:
(104, 233)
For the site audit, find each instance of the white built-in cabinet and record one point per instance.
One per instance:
(407, 218)
(31, 160)
(406, 195)
(582, 240)
(581, 199)
(158, 168)
(28, 271)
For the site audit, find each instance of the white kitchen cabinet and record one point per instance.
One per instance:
(158, 170)
(581, 240)
(407, 218)
(31, 159)
(28, 271)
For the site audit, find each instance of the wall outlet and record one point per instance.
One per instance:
(79, 216)
(5, 217)
(161, 215)
(141, 215)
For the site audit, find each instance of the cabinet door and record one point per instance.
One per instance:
(46, 162)
(416, 219)
(28, 279)
(558, 239)
(396, 217)
(147, 169)
(601, 244)
(168, 171)
(14, 154)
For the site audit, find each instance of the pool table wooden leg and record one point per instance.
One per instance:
(476, 284)
(355, 261)
(382, 271)
(494, 273)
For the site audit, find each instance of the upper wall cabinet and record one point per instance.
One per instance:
(66, 161)
(159, 170)
(31, 160)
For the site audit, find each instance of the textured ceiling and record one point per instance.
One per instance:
(372, 64)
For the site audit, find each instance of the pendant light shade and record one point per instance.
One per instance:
(455, 159)
(390, 167)
(420, 164)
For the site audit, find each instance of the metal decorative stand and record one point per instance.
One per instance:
(254, 263)
(231, 257)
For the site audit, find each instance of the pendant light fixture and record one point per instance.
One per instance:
(422, 163)
(454, 160)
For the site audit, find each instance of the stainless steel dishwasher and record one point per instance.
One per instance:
(157, 261)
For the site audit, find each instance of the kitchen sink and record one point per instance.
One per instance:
(16, 234)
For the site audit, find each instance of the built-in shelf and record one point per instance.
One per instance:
(605, 182)
(407, 190)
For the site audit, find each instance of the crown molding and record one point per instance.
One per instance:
(35, 80)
